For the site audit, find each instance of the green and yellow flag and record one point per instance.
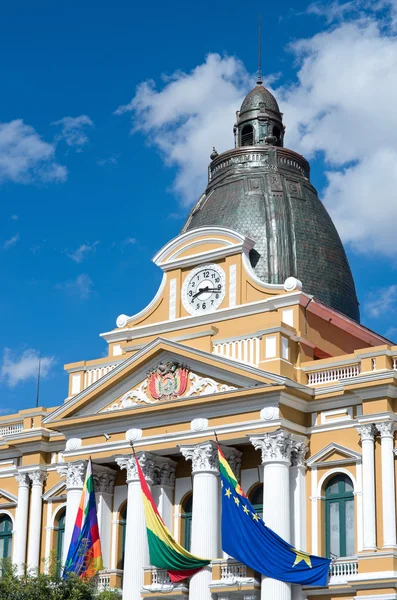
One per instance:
(165, 552)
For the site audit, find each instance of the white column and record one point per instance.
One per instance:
(386, 431)
(104, 486)
(367, 433)
(297, 473)
(37, 478)
(276, 460)
(21, 523)
(163, 489)
(136, 545)
(205, 512)
(75, 474)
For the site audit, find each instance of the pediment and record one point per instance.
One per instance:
(160, 373)
(334, 454)
(59, 489)
(7, 497)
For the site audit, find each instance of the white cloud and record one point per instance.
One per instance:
(25, 157)
(191, 114)
(14, 217)
(74, 131)
(342, 107)
(17, 369)
(82, 286)
(12, 241)
(382, 302)
(109, 160)
(82, 252)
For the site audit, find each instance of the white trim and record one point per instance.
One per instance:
(3, 511)
(336, 471)
(333, 447)
(122, 320)
(314, 499)
(55, 513)
(8, 495)
(55, 488)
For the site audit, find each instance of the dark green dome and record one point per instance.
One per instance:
(257, 98)
(263, 191)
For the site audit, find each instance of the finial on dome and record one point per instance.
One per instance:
(214, 153)
(259, 79)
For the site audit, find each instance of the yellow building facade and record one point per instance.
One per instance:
(302, 398)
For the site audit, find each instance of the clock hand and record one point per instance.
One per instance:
(206, 289)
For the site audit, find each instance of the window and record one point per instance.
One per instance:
(60, 538)
(5, 537)
(276, 133)
(187, 521)
(256, 499)
(247, 136)
(339, 517)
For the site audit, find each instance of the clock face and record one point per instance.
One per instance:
(203, 289)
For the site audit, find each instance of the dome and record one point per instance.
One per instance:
(259, 95)
(262, 190)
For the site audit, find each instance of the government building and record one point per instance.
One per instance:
(253, 334)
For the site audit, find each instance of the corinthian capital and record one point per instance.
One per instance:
(104, 479)
(165, 473)
(204, 456)
(38, 477)
(74, 473)
(274, 447)
(386, 429)
(299, 450)
(367, 432)
(22, 479)
(146, 461)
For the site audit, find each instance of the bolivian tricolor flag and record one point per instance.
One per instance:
(165, 552)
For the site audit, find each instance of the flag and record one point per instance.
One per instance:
(165, 552)
(246, 538)
(84, 556)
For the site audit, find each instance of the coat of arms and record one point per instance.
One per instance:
(168, 380)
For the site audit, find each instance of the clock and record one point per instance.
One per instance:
(203, 289)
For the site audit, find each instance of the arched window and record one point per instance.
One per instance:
(277, 133)
(256, 499)
(187, 521)
(339, 516)
(247, 135)
(60, 529)
(5, 537)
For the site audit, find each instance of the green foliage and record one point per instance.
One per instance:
(38, 586)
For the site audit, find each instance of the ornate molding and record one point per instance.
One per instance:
(142, 394)
(199, 424)
(366, 432)
(386, 429)
(299, 449)
(156, 469)
(74, 473)
(23, 479)
(38, 477)
(164, 473)
(73, 444)
(104, 480)
(204, 457)
(274, 447)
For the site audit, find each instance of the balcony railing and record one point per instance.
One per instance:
(233, 571)
(341, 569)
(160, 577)
(92, 375)
(109, 579)
(245, 350)
(10, 429)
(330, 375)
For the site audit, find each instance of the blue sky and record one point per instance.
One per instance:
(98, 168)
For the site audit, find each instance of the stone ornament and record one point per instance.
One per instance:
(121, 320)
(386, 429)
(38, 477)
(204, 457)
(74, 473)
(133, 435)
(269, 413)
(275, 446)
(164, 474)
(200, 386)
(292, 284)
(299, 450)
(199, 424)
(156, 469)
(73, 444)
(22, 479)
(367, 432)
(104, 480)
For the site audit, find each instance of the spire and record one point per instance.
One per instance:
(259, 80)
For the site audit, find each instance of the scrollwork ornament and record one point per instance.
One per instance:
(147, 464)
(38, 477)
(386, 429)
(74, 473)
(299, 450)
(204, 457)
(367, 432)
(275, 446)
(167, 474)
(22, 479)
(104, 481)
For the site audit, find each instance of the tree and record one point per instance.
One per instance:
(39, 586)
